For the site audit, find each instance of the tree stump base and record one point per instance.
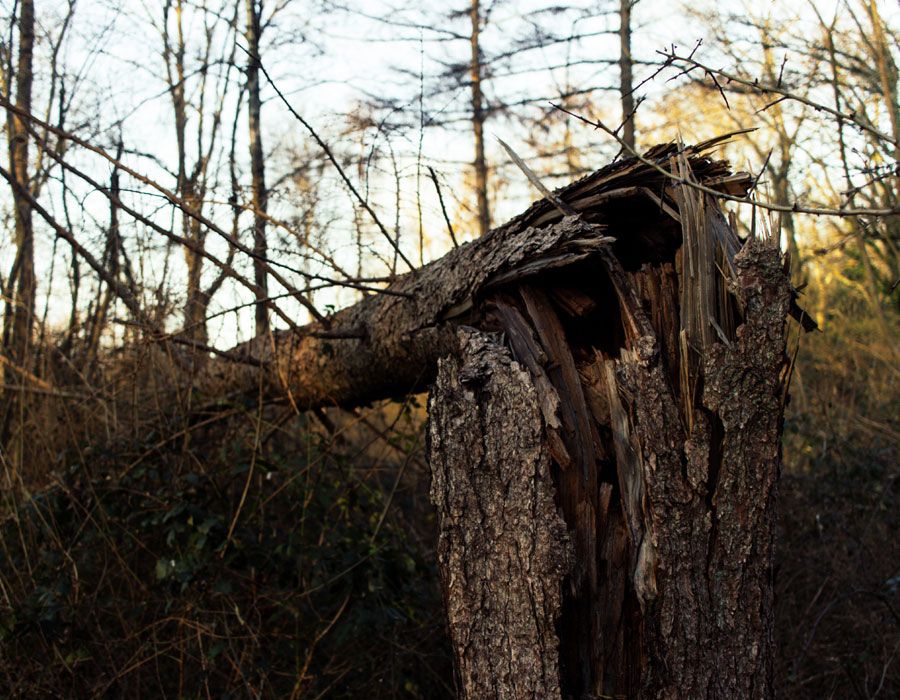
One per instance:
(641, 401)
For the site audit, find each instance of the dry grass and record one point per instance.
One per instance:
(155, 548)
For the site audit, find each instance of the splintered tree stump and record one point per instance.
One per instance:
(637, 394)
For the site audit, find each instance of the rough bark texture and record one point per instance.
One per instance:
(660, 386)
(389, 344)
(502, 545)
(703, 573)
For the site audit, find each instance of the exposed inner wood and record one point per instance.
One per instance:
(658, 371)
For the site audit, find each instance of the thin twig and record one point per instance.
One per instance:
(671, 57)
(324, 146)
(171, 196)
(794, 207)
(443, 208)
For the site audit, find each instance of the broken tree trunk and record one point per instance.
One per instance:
(389, 343)
(665, 446)
(644, 372)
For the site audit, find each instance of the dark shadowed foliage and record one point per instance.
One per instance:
(121, 580)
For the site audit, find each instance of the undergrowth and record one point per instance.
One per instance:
(247, 552)
(275, 566)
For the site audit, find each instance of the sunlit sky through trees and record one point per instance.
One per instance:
(384, 83)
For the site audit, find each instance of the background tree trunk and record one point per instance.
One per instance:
(481, 176)
(625, 72)
(257, 166)
(22, 283)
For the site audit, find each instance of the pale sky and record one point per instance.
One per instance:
(326, 67)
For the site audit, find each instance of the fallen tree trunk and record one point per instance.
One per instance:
(389, 343)
(644, 372)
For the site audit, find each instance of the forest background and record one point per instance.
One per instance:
(185, 175)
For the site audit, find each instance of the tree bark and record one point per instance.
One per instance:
(260, 195)
(707, 471)
(502, 545)
(665, 442)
